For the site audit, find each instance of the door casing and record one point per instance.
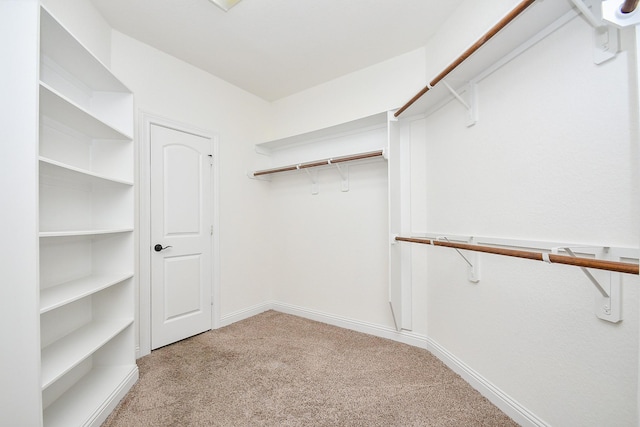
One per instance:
(143, 231)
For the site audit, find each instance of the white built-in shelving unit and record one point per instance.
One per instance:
(355, 141)
(86, 265)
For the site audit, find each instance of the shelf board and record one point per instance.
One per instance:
(59, 169)
(531, 24)
(64, 293)
(358, 125)
(61, 109)
(59, 45)
(81, 403)
(63, 355)
(72, 233)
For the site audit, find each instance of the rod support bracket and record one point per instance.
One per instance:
(605, 36)
(343, 171)
(471, 259)
(608, 300)
(313, 177)
(471, 104)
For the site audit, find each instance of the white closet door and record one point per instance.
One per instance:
(181, 255)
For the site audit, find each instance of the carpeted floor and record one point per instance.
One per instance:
(276, 369)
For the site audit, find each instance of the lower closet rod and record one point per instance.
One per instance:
(324, 162)
(600, 264)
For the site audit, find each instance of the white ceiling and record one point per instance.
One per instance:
(274, 48)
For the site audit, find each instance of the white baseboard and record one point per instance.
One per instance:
(245, 313)
(509, 406)
(116, 396)
(405, 337)
(496, 396)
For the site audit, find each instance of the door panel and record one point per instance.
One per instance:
(180, 223)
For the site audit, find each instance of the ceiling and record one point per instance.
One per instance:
(274, 48)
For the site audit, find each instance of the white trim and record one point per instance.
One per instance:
(405, 337)
(116, 396)
(502, 400)
(245, 313)
(146, 119)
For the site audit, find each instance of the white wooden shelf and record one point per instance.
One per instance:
(50, 167)
(57, 44)
(355, 139)
(96, 232)
(58, 107)
(374, 121)
(63, 355)
(531, 25)
(78, 406)
(65, 293)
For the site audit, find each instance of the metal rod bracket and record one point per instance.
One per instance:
(472, 261)
(608, 301)
(606, 42)
(313, 176)
(471, 105)
(343, 171)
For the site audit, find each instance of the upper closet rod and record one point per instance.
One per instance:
(629, 6)
(325, 162)
(620, 267)
(477, 45)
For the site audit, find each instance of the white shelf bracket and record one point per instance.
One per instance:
(344, 175)
(608, 301)
(313, 176)
(472, 105)
(472, 261)
(606, 43)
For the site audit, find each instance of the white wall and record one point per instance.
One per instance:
(551, 158)
(527, 329)
(332, 247)
(381, 87)
(465, 26)
(170, 88)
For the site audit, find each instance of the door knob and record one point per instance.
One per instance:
(159, 247)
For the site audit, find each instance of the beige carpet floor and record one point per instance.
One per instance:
(276, 369)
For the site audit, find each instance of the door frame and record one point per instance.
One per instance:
(143, 224)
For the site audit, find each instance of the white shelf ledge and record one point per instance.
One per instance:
(61, 109)
(342, 129)
(64, 293)
(62, 170)
(83, 402)
(60, 46)
(63, 355)
(72, 233)
(533, 25)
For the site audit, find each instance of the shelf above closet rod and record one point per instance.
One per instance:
(467, 53)
(620, 267)
(324, 162)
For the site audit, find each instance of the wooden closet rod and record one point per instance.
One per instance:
(324, 162)
(467, 53)
(629, 6)
(620, 267)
